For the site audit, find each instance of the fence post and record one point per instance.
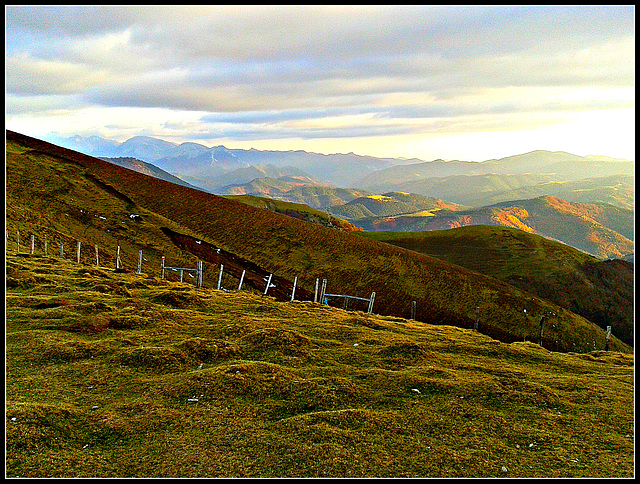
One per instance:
(241, 280)
(140, 261)
(373, 296)
(220, 277)
(162, 268)
(315, 294)
(475, 325)
(323, 290)
(266, 289)
(542, 320)
(199, 274)
(46, 252)
(97, 259)
(61, 249)
(608, 337)
(78, 251)
(33, 243)
(118, 258)
(293, 292)
(413, 309)
(17, 241)
(181, 274)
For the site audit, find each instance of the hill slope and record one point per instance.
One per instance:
(110, 374)
(65, 194)
(601, 291)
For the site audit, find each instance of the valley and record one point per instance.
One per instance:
(585, 202)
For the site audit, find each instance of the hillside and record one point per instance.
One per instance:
(601, 291)
(66, 195)
(390, 204)
(307, 192)
(296, 210)
(148, 169)
(599, 229)
(114, 374)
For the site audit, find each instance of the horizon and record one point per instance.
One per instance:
(55, 140)
(466, 83)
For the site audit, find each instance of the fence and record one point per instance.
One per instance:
(320, 294)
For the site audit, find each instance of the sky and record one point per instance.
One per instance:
(429, 82)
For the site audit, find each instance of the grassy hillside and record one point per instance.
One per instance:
(601, 291)
(390, 204)
(114, 374)
(65, 195)
(296, 210)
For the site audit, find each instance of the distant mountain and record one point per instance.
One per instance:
(220, 170)
(297, 190)
(148, 169)
(512, 178)
(599, 229)
(201, 162)
(235, 181)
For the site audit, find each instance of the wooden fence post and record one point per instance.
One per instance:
(118, 258)
(17, 241)
(33, 243)
(46, 251)
(370, 308)
(241, 280)
(78, 251)
(293, 292)
(413, 310)
(542, 320)
(315, 294)
(162, 268)
(97, 259)
(62, 249)
(220, 277)
(181, 274)
(608, 337)
(140, 261)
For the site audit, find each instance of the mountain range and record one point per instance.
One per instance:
(586, 202)
(221, 170)
(69, 197)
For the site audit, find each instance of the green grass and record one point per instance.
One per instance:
(124, 375)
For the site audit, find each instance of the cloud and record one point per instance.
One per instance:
(293, 71)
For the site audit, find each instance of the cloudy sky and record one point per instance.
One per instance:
(469, 83)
